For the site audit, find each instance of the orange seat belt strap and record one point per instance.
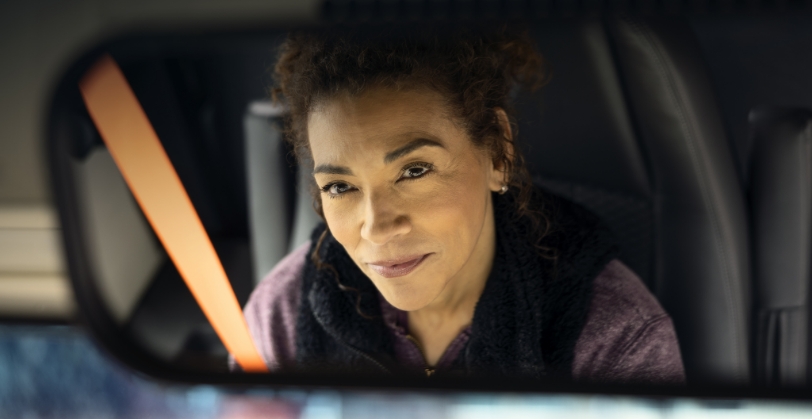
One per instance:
(146, 168)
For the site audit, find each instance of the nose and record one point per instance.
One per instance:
(383, 221)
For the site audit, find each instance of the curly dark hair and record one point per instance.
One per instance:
(476, 72)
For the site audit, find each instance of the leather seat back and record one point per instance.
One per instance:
(781, 205)
(702, 260)
(629, 128)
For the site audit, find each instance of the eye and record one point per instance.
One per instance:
(416, 170)
(336, 188)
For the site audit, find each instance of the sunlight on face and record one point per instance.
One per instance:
(405, 191)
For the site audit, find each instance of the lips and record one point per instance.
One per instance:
(398, 267)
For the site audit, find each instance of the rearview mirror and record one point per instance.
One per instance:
(621, 294)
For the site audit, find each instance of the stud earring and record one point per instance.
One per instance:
(503, 190)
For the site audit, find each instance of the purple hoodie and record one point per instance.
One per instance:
(628, 337)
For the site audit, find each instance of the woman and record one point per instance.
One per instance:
(438, 254)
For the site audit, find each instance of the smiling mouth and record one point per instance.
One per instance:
(400, 267)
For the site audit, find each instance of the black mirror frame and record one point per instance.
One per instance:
(95, 317)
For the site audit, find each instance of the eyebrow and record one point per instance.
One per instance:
(332, 170)
(389, 158)
(411, 146)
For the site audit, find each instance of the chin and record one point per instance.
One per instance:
(411, 292)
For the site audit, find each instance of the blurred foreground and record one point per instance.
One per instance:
(57, 372)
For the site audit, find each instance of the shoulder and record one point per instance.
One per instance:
(627, 336)
(273, 307)
(619, 292)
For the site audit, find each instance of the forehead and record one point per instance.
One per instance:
(377, 121)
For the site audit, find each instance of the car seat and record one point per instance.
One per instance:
(781, 206)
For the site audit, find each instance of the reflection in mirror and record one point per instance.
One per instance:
(138, 284)
(445, 203)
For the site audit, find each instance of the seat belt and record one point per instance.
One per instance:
(146, 168)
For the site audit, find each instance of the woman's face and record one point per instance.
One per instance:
(405, 191)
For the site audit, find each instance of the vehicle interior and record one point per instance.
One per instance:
(688, 136)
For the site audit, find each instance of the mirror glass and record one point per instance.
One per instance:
(580, 199)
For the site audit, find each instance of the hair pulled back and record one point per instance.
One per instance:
(475, 72)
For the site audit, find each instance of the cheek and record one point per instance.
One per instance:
(340, 217)
(454, 215)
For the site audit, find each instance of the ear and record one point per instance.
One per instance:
(498, 175)
(504, 121)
